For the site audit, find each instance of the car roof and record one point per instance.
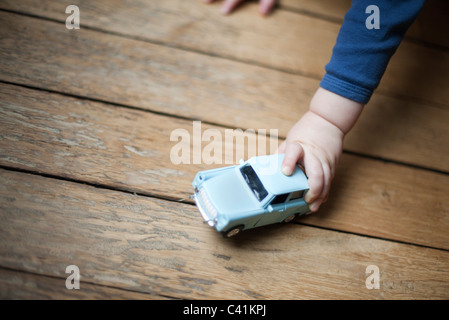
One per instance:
(268, 168)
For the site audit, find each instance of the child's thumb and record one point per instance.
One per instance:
(293, 153)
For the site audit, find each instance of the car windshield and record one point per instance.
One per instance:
(253, 182)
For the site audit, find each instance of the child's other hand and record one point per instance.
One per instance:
(265, 6)
(316, 141)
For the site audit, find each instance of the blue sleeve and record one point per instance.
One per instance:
(361, 55)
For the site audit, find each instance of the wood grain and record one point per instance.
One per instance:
(176, 82)
(15, 285)
(130, 150)
(411, 203)
(86, 160)
(161, 247)
(295, 42)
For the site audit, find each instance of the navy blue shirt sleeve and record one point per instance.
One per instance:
(361, 55)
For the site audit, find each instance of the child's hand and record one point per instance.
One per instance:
(316, 145)
(316, 140)
(228, 6)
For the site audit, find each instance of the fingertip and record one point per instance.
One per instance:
(266, 6)
(229, 5)
(313, 194)
(264, 11)
(309, 197)
(286, 170)
(225, 10)
(314, 206)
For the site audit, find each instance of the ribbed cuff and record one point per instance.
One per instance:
(346, 89)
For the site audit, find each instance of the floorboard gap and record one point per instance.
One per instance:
(149, 195)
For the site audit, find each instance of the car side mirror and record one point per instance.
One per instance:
(270, 208)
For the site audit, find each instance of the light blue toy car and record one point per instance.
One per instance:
(252, 194)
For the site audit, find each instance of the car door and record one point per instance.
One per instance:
(275, 210)
(296, 204)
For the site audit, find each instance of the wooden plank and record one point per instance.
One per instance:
(397, 130)
(160, 247)
(130, 150)
(26, 286)
(429, 26)
(191, 85)
(333, 10)
(148, 76)
(364, 189)
(287, 40)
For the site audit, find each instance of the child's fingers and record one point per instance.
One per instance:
(318, 172)
(265, 6)
(229, 5)
(293, 153)
(316, 181)
(327, 178)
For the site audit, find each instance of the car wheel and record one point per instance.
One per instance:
(233, 232)
(289, 218)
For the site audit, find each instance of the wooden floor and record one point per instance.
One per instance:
(86, 177)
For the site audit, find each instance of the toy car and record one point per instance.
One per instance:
(252, 194)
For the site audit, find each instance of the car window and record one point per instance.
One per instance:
(297, 195)
(253, 182)
(280, 198)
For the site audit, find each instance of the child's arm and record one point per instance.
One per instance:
(265, 6)
(358, 62)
